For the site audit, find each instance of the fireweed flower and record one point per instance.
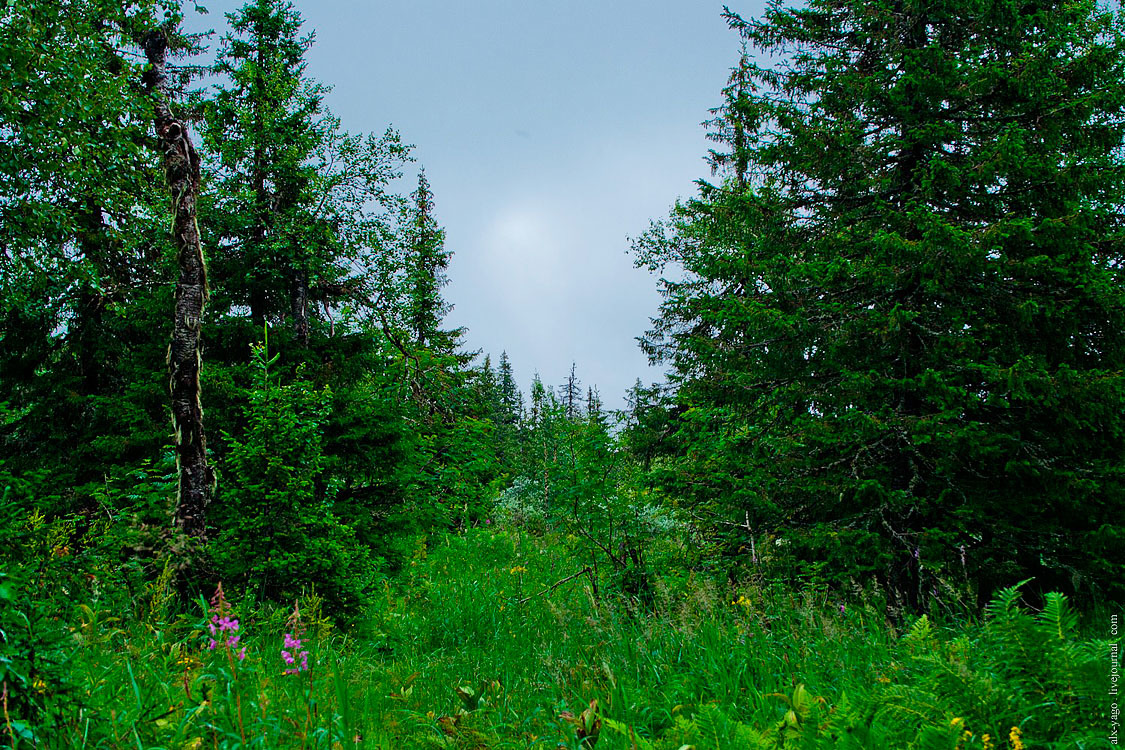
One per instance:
(295, 657)
(223, 627)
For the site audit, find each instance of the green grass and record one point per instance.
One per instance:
(451, 658)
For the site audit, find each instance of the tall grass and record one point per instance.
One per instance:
(474, 647)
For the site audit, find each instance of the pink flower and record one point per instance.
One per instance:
(223, 627)
(290, 657)
(291, 645)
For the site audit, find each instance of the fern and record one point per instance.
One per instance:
(1016, 633)
(1058, 617)
(1005, 602)
(709, 727)
(920, 635)
(628, 732)
(712, 729)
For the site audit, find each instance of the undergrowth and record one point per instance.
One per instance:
(475, 646)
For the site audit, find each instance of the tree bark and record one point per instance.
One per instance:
(300, 303)
(182, 171)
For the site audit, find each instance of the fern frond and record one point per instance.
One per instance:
(629, 733)
(1005, 601)
(709, 723)
(1058, 617)
(921, 633)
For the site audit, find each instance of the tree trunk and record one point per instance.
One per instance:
(300, 302)
(181, 169)
(90, 303)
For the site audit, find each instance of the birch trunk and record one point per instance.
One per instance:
(182, 171)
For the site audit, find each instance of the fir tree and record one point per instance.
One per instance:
(900, 333)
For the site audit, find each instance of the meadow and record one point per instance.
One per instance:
(497, 638)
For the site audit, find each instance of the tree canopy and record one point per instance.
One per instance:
(898, 337)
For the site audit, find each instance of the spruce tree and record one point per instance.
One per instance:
(263, 126)
(302, 209)
(900, 333)
(594, 410)
(84, 277)
(510, 396)
(426, 263)
(570, 393)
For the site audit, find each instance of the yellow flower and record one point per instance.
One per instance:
(957, 720)
(1015, 739)
(39, 686)
(987, 740)
(517, 569)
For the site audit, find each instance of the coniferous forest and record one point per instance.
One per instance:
(258, 492)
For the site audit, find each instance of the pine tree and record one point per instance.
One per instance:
(900, 333)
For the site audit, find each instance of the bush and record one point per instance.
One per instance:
(279, 536)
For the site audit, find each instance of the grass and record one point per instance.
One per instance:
(470, 647)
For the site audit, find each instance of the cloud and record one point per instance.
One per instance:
(544, 271)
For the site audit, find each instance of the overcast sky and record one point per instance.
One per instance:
(551, 132)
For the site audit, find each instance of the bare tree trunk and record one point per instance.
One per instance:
(300, 301)
(181, 169)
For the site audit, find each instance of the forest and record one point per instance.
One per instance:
(256, 491)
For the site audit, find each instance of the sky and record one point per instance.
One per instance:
(551, 131)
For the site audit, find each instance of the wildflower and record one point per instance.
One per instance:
(1015, 739)
(186, 660)
(223, 627)
(517, 569)
(987, 740)
(843, 609)
(295, 657)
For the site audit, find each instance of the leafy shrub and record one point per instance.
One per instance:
(521, 505)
